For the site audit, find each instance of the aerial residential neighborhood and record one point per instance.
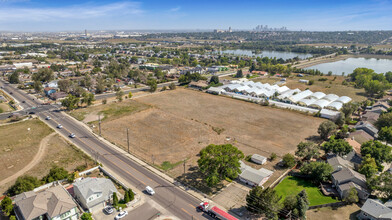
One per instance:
(173, 110)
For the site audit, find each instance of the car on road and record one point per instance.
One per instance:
(11, 93)
(108, 209)
(31, 113)
(150, 190)
(121, 215)
(23, 101)
(59, 126)
(72, 135)
(47, 118)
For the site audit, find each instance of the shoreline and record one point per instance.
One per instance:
(333, 58)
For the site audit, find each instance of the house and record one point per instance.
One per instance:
(253, 177)
(258, 159)
(53, 84)
(49, 90)
(370, 116)
(367, 127)
(94, 193)
(53, 203)
(360, 136)
(351, 160)
(58, 95)
(374, 209)
(346, 178)
(201, 84)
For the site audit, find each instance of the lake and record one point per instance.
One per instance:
(350, 64)
(267, 53)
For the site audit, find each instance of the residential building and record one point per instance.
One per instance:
(367, 127)
(53, 203)
(258, 159)
(49, 90)
(360, 136)
(374, 209)
(346, 178)
(253, 177)
(94, 193)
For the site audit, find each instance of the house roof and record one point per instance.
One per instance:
(258, 157)
(360, 136)
(348, 174)
(366, 126)
(338, 162)
(89, 186)
(376, 209)
(253, 175)
(53, 201)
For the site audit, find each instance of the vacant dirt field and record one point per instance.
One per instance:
(18, 146)
(327, 213)
(181, 122)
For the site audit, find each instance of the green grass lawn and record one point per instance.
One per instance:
(294, 185)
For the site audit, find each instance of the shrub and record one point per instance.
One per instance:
(273, 156)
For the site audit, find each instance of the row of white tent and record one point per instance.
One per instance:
(306, 98)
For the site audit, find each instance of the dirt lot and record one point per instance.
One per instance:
(18, 146)
(181, 122)
(327, 213)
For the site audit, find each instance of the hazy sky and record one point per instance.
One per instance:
(58, 15)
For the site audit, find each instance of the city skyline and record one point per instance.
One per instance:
(45, 15)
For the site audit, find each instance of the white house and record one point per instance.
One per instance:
(253, 177)
(258, 159)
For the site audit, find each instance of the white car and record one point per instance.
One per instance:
(108, 209)
(150, 190)
(72, 135)
(59, 126)
(47, 118)
(121, 215)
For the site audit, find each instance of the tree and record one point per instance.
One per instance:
(6, 206)
(348, 109)
(37, 86)
(289, 160)
(239, 74)
(302, 204)
(86, 216)
(55, 173)
(368, 166)
(261, 201)
(119, 95)
(115, 199)
(14, 78)
(351, 196)
(64, 85)
(385, 120)
(375, 87)
(70, 102)
(307, 150)
(380, 152)
(172, 86)
(337, 146)
(317, 171)
(385, 134)
(130, 95)
(131, 194)
(273, 156)
(88, 98)
(126, 197)
(100, 86)
(340, 120)
(24, 184)
(43, 75)
(218, 162)
(290, 202)
(153, 85)
(381, 184)
(326, 129)
(214, 80)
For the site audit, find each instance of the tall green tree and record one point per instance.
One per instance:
(153, 85)
(24, 184)
(55, 173)
(317, 171)
(37, 86)
(14, 78)
(352, 196)
(380, 152)
(307, 150)
(6, 206)
(214, 80)
(115, 199)
(289, 160)
(239, 74)
(385, 120)
(368, 166)
(70, 102)
(337, 146)
(119, 95)
(43, 75)
(64, 85)
(385, 134)
(88, 98)
(218, 162)
(326, 129)
(381, 185)
(86, 216)
(265, 202)
(302, 204)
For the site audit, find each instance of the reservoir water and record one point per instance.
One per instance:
(348, 65)
(267, 53)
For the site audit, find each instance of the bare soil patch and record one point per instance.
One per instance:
(327, 213)
(182, 122)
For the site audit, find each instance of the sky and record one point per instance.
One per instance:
(78, 15)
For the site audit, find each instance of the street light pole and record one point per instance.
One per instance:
(128, 139)
(99, 124)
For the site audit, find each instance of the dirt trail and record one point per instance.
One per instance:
(37, 158)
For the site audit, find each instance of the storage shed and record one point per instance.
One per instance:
(258, 159)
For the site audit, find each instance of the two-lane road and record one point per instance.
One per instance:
(172, 198)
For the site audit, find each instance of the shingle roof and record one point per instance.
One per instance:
(53, 201)
(348, 174)
(376, 209)
(90, 186)
(253, 175)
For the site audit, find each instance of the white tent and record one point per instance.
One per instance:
(321, 103)
(318, 95)
(307, 102)
(301, 95)
(331, 97)
(344, 99)
(335, 106)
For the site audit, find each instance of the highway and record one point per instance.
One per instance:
(170, 197)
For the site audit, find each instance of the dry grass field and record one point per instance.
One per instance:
(327, 213)
(18, 146)
(180, 123)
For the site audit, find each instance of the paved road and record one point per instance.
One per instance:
(145, 211)
(173, 199)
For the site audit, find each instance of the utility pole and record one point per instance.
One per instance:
(184, 166)
(99, 124)
(128, 139)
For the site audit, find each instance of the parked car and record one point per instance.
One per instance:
(72, 135)
(108, 209)
(31, 113)
(23, 101)
(121, 215)
(59, 126)
(150, 190)
(47, 118)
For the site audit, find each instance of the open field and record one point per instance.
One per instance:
(19, 146)
(4, 107)
(331, 85)
(327, 213)
(182, 122)
(294, 185)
